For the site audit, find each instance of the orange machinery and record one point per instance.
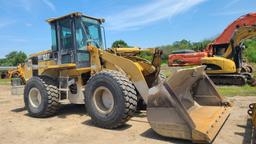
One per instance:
(186, 59)
(222, 40)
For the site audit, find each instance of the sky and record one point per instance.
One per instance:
(142, 23)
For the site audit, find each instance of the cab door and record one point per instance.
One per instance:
(66, 41)
(82, 54)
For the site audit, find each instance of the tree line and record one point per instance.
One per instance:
(249, 52)
(183, 44)
(13, 58)
(16, 57)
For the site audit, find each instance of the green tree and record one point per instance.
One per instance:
(119, 43)
(250, 50)
(199, 46)
(183, 44)
(13, 58)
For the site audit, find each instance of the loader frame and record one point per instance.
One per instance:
(110, 82)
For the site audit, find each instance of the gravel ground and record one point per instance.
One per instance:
(72, 126)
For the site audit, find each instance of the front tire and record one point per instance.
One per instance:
(110, 99)
(41, 97)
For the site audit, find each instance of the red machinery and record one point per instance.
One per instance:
(222, 40)
(185, 59)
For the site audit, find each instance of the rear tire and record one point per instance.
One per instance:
(41, 97)
(121, 98)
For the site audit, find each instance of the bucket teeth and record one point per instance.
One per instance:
(187, 106)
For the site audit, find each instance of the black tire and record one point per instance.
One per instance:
(49, 97)
(124, 97)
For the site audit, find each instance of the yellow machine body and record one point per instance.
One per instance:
(221, 64)
(224, 57)
(185, 105)
(226, 66)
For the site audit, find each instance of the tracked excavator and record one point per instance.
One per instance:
(110, 82)
(223, 57)
(226, 66)
(222, 40)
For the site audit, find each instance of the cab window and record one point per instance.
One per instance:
(54, 37)
(66, 40)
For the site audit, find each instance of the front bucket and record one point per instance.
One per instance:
(187, 106)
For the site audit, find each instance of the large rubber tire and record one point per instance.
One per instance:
(49, 97)
(124, 97)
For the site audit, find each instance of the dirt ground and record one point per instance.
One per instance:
(73, 126)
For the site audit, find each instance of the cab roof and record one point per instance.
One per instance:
(75, 14)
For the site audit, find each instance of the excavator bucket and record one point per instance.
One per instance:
(187, 106)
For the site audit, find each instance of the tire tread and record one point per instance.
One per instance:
(129, 93)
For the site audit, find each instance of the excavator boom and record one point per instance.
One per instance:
(246, 20)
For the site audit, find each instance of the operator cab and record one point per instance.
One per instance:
(71, 34)
(220, 49)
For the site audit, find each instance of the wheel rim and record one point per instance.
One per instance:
(35, 97)
(103, 100)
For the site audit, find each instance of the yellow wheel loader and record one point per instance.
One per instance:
(227, 66)
(111, 82)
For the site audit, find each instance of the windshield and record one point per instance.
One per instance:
(88, 32)
(220, 49)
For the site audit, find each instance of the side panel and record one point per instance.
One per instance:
(218, 65)
(43, 65)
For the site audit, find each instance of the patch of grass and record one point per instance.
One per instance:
(223, 90)
(5, 81)
(237, 91)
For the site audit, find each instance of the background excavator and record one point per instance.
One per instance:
(226, 66)
(110, 82)
(223, 57)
